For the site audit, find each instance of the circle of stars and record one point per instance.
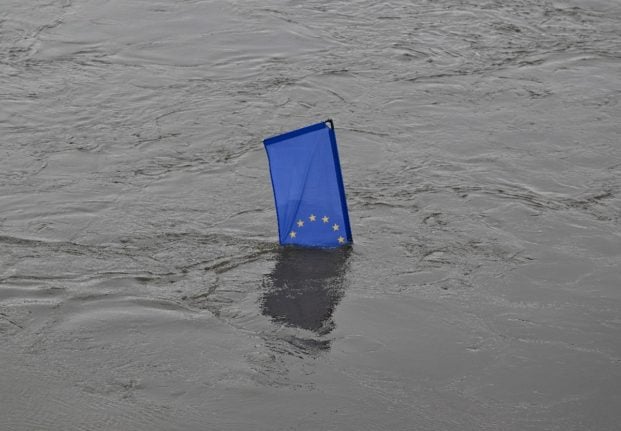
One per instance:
(312, 218)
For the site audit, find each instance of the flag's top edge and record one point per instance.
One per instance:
(294, 133)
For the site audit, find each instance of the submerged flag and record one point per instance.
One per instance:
(308, 187)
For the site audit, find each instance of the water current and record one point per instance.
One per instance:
(141, 283)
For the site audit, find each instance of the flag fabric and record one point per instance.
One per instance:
(308, 187)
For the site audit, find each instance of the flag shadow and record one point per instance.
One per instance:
(305, 287)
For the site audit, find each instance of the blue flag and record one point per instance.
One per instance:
(308, 187)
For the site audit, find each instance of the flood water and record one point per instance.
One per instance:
(141, 283)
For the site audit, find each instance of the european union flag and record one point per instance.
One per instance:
(308, 187)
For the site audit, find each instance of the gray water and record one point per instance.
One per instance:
(141, 284)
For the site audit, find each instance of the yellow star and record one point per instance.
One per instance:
(300, 223)
(292, 234)
(312, 217)
(325, 219)
(335, 227)
(341, 240)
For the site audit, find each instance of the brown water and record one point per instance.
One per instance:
(141, 285)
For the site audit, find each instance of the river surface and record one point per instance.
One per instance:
(141, 283)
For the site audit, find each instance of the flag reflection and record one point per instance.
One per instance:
(305, 287)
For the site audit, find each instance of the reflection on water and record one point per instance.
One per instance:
(482, 163)
(305, 287)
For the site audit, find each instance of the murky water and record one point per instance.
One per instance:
(141, 285)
